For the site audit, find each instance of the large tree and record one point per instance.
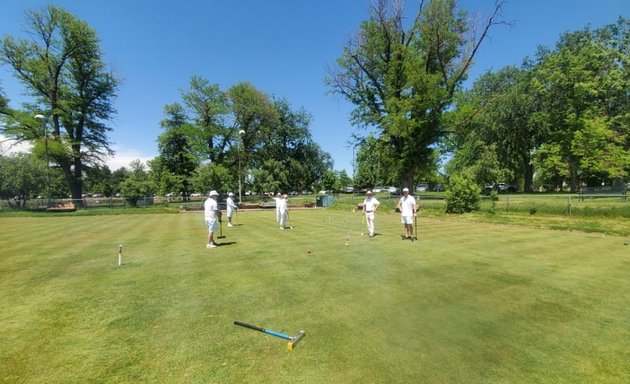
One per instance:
(22, 177)
(402, 78)
(60, 65)
(243, 132)
(497, 127)
(584, 84)
(176, 162)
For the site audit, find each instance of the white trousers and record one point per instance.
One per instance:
(369, 219)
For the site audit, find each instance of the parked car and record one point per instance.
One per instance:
(500, 187)
(422, 187)
(505, 187)
(348, 189)
(392, 190)
(377, 189)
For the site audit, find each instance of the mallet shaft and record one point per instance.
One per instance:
(263, 330)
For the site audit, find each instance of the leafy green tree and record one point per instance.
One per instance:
(118, 176)
(207, 110)
(98, 180)
(551, 167)
(177, 160)
(299, 162)
(60, 65)
(207, 177)
(137, 185)
(497, 127)
(242, 131)
(601, 152)
(401, 79)
(273, 176)
(374, 164)
(344, 179)
(22, 176)
(329, 181)
(462, 194)
(583, 84)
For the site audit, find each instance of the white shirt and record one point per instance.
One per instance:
(210, 208)
(407, 205)
(370, 204)
(230, 205)
(282, 205)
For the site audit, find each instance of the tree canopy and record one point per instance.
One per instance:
(60, 64)
(560, 119)
(401, 79)
(216, 137)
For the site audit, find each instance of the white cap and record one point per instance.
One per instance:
(230, 194)
(213, 193)
(405, 189)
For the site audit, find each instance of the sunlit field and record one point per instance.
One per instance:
(469, 302)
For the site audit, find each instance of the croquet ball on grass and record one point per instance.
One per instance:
(625, 242)
(308, 251)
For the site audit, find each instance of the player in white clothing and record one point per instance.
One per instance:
(407, 207)
(231, 207)
(370, 204)
(212, 216)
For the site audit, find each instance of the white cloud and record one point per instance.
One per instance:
(10, 146)
(124, 156)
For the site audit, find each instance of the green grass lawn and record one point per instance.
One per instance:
(469, 303)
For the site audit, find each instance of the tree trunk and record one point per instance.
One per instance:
(529, 174)
(407, 179)
(574, 182)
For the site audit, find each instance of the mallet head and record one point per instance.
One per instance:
(294, 341)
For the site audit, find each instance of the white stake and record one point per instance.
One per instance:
(119, 255)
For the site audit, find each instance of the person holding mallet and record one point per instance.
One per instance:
(370, 204)
(231, 207)
(212, 216)
(407, 207)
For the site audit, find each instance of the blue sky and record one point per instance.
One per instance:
(282, 47)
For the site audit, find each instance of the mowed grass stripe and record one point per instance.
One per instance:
(467, 303)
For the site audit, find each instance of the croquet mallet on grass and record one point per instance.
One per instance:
(293, 341)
